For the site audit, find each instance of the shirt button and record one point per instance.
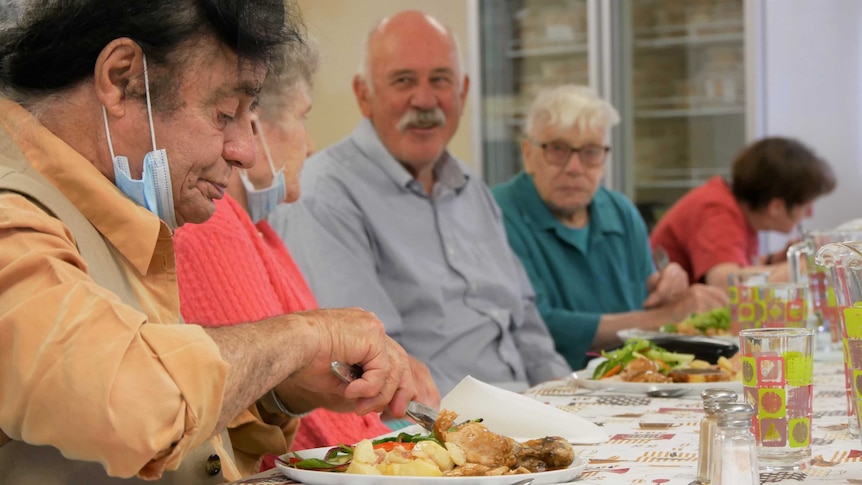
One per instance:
(213, 465)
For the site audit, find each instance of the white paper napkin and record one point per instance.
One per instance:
(520, 417)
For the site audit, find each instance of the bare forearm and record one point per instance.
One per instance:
(697, 298)
(261, 355)
(611, 323)
(717, 276)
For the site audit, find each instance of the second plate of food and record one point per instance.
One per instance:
(584, 379)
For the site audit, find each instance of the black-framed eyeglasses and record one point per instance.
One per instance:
(558, 153)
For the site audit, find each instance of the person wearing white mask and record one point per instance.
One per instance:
(257, 276)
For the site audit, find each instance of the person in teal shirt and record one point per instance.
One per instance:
(586, 248)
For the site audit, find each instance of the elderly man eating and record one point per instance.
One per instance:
(120, 122)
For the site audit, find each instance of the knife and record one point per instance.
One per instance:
(424, 415)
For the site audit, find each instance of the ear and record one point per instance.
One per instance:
(465, 87)
(526, 146)
(119, 64)
(363, 97)
(776, 208)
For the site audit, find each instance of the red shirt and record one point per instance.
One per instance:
(706, 228)
(232, 271)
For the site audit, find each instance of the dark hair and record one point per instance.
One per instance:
(55, 43)
(780, 168)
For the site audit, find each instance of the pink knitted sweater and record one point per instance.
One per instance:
(232, 271)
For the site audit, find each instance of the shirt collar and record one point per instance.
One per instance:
(603, 219)
(449, 172)
(132, 229)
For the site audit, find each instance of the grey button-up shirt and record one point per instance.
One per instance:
(437, 271)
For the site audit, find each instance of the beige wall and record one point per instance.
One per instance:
(340, 26)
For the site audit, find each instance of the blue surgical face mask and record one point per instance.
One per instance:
(153, 191)
(263, 201)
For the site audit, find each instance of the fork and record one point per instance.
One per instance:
(660, 258)
(424, 415)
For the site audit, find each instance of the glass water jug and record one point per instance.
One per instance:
(803, 269)
(844, 264)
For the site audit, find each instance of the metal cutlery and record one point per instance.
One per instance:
(666, 392)
(424, 415)
(660, 258)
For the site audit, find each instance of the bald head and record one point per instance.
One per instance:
(406, 24)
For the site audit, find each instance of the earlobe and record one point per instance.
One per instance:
(777, 207)
(465, 87)
(360, 90)
(119, 65)
(526, 146)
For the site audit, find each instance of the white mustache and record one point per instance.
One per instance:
(424, 118)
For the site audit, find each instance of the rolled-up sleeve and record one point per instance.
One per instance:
(87, 374)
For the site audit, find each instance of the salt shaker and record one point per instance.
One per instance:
(734, 452)
(711, 398)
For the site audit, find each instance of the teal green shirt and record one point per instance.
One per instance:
(578, 274)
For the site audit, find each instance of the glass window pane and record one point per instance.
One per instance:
(526, 45)
(688, 92)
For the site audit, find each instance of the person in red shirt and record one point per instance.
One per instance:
(712, 231)
(234, 268)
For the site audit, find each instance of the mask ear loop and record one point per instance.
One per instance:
(108, 132)
(149, 106)
(263, 142)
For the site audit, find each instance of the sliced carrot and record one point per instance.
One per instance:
(613, 371)
(390, 445)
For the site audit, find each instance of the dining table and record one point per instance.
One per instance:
(654, 440)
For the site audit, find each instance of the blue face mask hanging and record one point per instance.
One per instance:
(263, 201)
(153, 191)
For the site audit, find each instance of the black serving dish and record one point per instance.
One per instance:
(703, 348)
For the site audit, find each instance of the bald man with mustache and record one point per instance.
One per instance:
(393, 223)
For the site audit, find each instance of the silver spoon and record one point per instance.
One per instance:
(424, 415)
(523, 482)
(666, 392)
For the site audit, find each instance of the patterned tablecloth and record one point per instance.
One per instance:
(655, 440)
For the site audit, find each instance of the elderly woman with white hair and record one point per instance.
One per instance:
(585, 247)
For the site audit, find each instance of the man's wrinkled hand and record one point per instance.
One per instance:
(354, 336)
(427, 392)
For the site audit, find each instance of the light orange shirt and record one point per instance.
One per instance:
(79, 369)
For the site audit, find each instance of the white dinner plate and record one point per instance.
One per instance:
(584, 379)
(651, 334)
(310, 477)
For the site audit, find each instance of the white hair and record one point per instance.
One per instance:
(10, 11)
(293, 74)
(571, 105)
(363, 69)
